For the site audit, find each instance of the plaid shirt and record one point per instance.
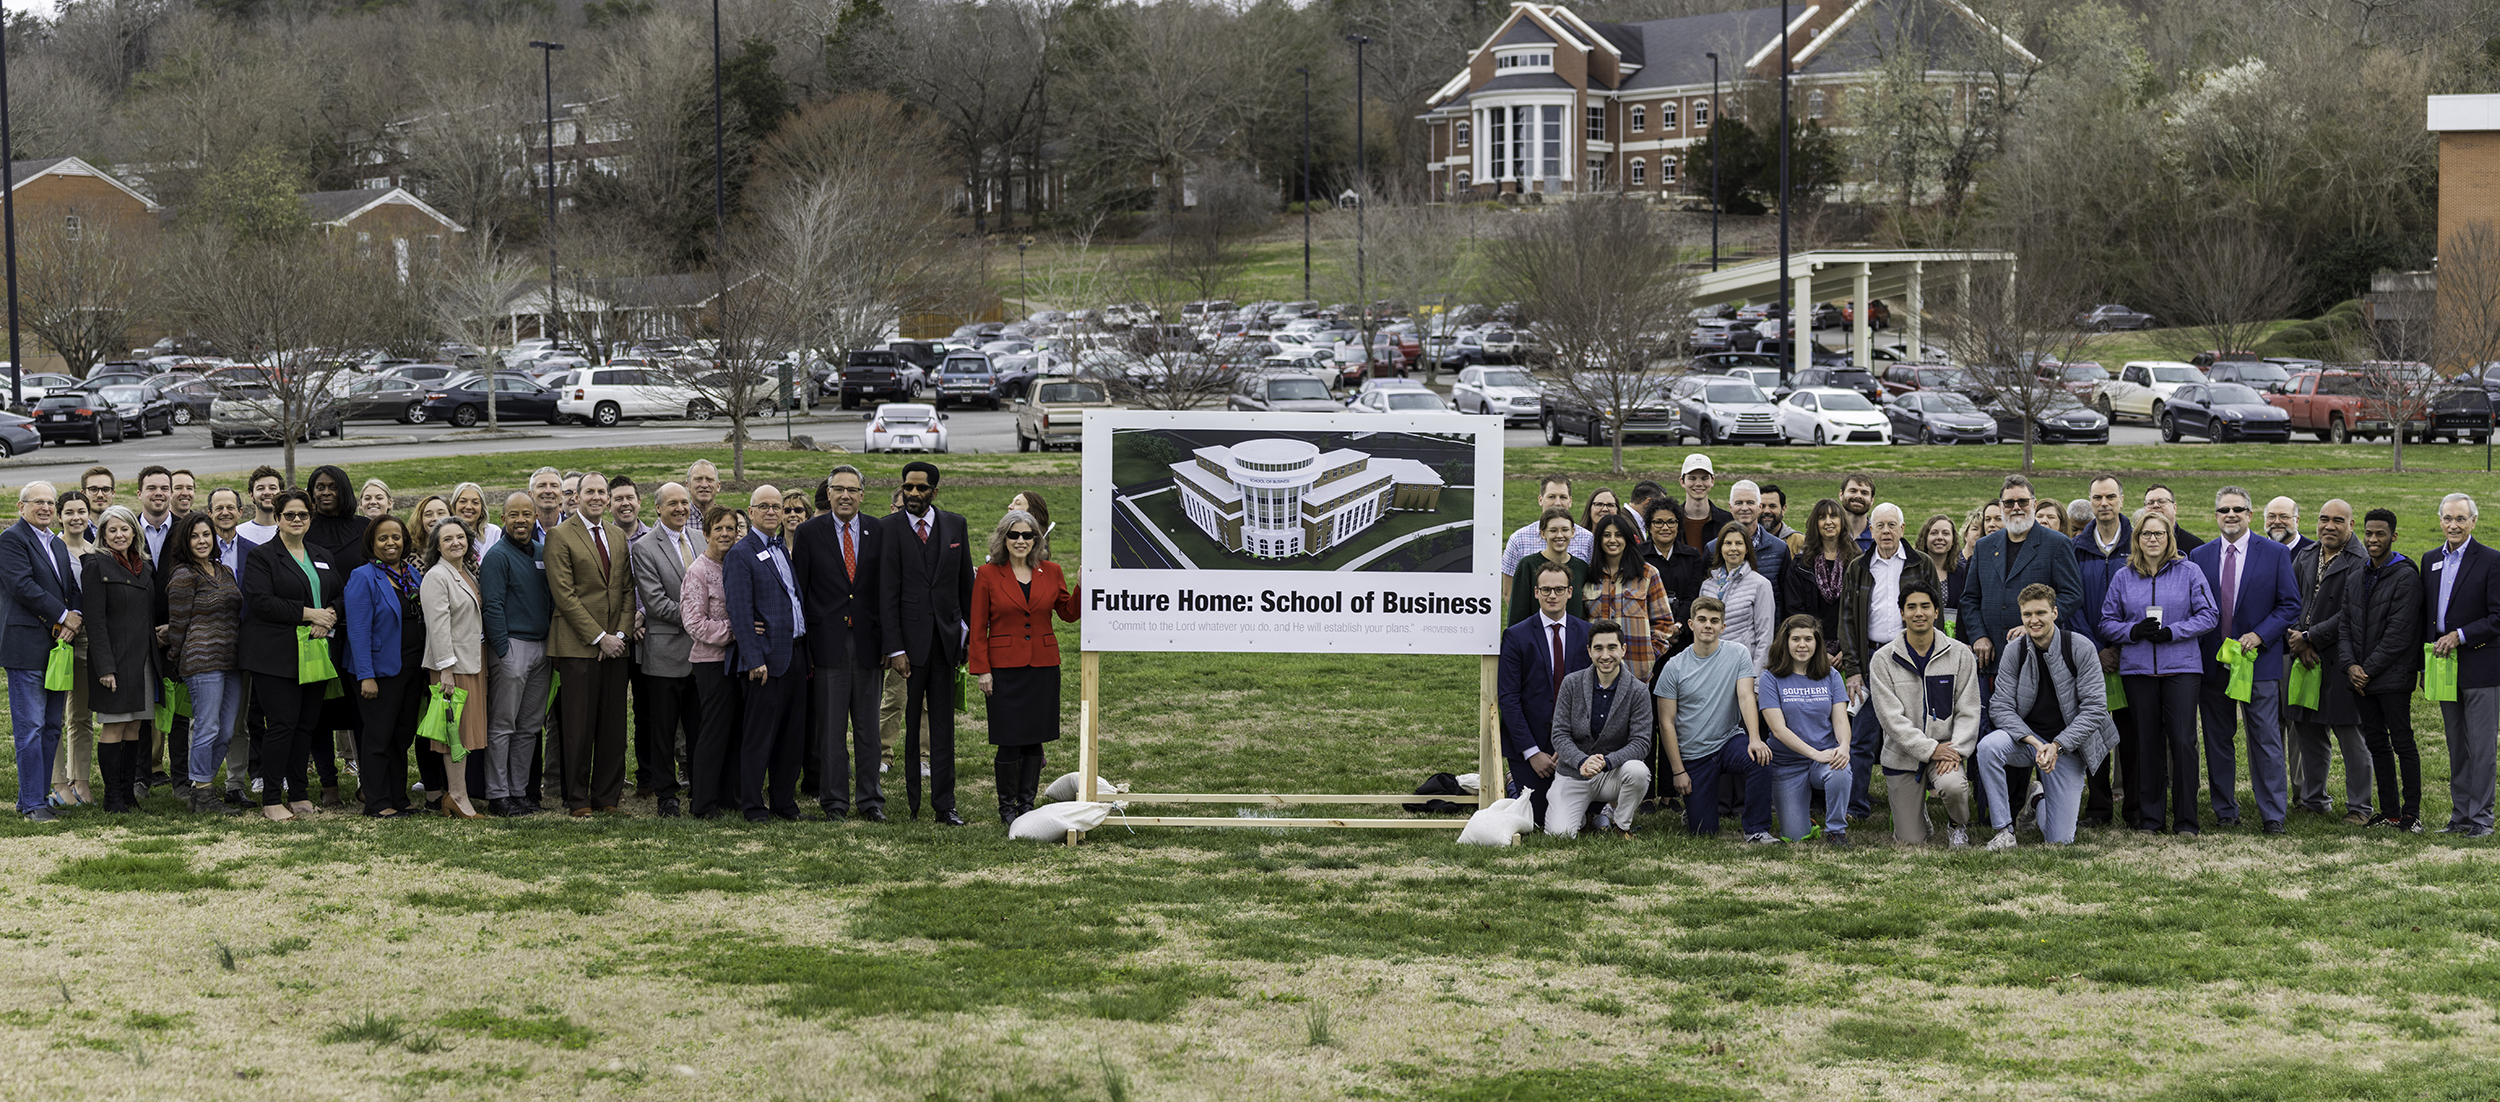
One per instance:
(1641, 607)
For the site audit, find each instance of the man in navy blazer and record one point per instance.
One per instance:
(2002, 564)
(837, 568)
(1530, 671)
(761, 589)
(924, 602)
(2252, 581)
(42, 608)
(2461, 617)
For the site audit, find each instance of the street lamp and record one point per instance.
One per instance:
(1362, 196)
(1024, 295)
(546, 317)
(1306, 180)
(1788, 310)
(8, 215)
(1714, 160)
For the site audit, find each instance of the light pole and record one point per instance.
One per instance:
(1714, 161)
(1306, 180)
(8, 219)
(1788, 310)
(1362, 195)
(547, 68)
(1024, 295)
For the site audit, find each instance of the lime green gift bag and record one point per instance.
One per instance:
(442, 719)
(2301, 685)
(2243, 665)
(60, 668)
(2117, 692)
(2439, 675)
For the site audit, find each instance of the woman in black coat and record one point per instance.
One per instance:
(288, 583)
(118, 599)
(337, 527)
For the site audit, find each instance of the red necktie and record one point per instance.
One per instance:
(922, 526)
(850, 558)
(1558, 656)
(599, 537)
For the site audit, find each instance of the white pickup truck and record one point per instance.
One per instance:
(2143, 389)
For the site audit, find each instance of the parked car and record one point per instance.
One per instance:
(383, 398)
(422, 374)
(18, 435)
(1845, 378)
(906, 426)
(876, 374)
(1584, 410)
(1710, 335)
(2080, 379)
(38, 384)
(1903, 378)
(144, 407)
(2062, 423)
(1717, 410)
(246, 415)
(2336, 406)
(968, 377)
(1052, 414)
(1414, 399)
(2262, 376)
(2103, 319)
(518, 397)
(1499, 390)
(2143, 388)
(1832, 415)
(1291, 392)
(2211, 356)
(2222, 412)
(2463, 415)
(1722, 363)
(606, 396)
(77, 415)
(1938, 417)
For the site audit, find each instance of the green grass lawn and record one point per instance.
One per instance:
(634, 957)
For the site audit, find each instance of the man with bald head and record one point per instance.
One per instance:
(2283, 525)
(512, 592)
(2325, 573)
(590, 585)
(768, 630)
(42, 609)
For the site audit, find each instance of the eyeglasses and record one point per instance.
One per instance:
(846, 489)
(1544, 589)
(295, 514)
(2017, 503)
(1019, 535)
(2230, 510)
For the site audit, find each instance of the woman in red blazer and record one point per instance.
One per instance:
(1015, 654)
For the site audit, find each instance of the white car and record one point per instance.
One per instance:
(1398, 400)
(2143, 389)
(605, 396)
(906, 427)
(1503, 390)
(1831, 415)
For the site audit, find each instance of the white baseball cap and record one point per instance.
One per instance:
(1698, 462)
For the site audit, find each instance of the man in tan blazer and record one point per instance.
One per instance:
(590, 579)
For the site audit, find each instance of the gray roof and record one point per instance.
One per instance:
(1522, 33)
(21, 170)
(1673, 49)
(1626, 38)
(330, 206)
(1517, 82)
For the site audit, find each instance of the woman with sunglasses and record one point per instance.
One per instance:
(288, 584)
(1015, 654)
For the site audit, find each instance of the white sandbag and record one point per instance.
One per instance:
(1065, 788)
(1496, 825)
(1467, 782)
(1052, 822)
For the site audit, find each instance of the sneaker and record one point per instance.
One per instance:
(256, 786)
(1836, 838)
(1957, 836)
(2379, 820)
(924, 769)
(2355, 818)
(2003, 840)
(2410, 824)
(885, 767)
(1606, 818)
(42, 815)
(1762, 838)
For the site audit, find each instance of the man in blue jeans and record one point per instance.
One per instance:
(1705, 697)
(42, 609)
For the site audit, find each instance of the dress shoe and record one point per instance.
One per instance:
(42, 815)
(2227, 820)
(790, 816)
(330, 796)
(300, 807)
(2274, 826)
(668, 807)
(157, 779)
(611, 809)
(948, 818)
(872, 814)
(495, 806)
(581, 813)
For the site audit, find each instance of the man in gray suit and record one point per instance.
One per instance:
(661, 555)
(1600, 740)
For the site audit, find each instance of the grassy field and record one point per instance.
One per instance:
(634, 957)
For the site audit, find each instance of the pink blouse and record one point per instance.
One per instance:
(704, 609)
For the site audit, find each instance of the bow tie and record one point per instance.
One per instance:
(772, 541)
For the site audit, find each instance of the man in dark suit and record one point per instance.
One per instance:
(2005, 561)
(1537, 653)
(2259, 597)
(761, 590)
(2322, 573)
(2460, 617)
(924, 590)
(42, 608)
(665, 680)
(837, 569)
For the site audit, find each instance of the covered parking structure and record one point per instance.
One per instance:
(1858, 276)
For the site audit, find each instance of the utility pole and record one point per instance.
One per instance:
(1306, 180)
(1362, 200)
(1714, 160)
(8, 215)
(547, 316)
(1788, 310)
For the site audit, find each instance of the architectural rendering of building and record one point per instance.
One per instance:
(1280, 497)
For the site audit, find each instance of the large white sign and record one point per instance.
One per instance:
(1292, 533)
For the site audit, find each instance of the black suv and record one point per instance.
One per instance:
(874, 374)
(1844, 378)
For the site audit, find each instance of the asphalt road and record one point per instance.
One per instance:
(967, 431)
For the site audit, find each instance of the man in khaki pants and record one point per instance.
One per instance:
(590, 583)
(1925, 688)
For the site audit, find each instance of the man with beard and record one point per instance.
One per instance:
(1857, 496)
(2323, 573)
(1773, 515)
(2003, 564)
(2283, 526)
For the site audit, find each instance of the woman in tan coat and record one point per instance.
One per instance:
(455, 639)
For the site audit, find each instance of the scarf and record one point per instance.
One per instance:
(402, 578)
(1827, 574)
(1724, 577)
(132, 560)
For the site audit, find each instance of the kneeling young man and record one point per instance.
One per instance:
(2052, 712)
(1705, 699)
(1925, 688)
(1600, 739)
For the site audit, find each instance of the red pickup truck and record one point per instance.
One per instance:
(2336, 405)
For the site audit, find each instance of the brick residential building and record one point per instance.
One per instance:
(68, 196)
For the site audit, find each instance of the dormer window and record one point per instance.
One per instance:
(1526, 60)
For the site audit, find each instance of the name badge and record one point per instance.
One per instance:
(2440, 565)
(763, 556)
(540, 565)
(321, 566)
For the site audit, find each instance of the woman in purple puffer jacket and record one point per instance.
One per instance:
(2158, 606)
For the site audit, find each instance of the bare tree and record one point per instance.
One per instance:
(2415, 362)
(473, 289)
(752, 322)
(1600, 277)
(1416, 256)
(78, 294)
(2010, 324)
(2225, 279)
(287, 307)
